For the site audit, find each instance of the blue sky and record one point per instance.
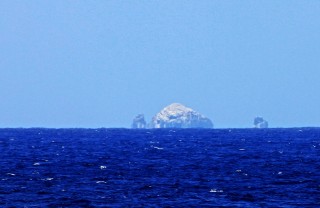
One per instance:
(99, 63)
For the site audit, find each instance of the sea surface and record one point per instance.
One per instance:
(160, 168)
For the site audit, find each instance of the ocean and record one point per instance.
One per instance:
(160, 167)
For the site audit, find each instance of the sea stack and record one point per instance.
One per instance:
(260, 123)
(177, 115)
(138, 122)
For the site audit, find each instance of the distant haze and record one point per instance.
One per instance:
(100, 63)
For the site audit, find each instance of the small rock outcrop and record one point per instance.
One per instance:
(259, 123)
(179, 116)
(139, 122)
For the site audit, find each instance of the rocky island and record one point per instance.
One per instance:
(139, 122)
(260, 123)
(177, 115)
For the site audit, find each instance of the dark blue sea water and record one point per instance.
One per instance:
(160, 168)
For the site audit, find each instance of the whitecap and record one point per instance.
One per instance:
(36, 164)
(47, 179)
(158, 148)
(242, 149)
(216, 191)
(103, 167)
(12, 174)
(101, 182)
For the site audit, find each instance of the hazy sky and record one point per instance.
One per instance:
(99, 63)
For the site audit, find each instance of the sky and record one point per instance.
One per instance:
(96, 64)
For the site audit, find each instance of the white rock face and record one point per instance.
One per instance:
(179, 116)
(260, 123)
